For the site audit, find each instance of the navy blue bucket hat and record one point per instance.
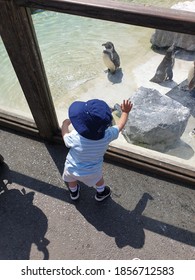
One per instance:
(90, 119)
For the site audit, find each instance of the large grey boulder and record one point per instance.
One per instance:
(156, 121)
(162, 38)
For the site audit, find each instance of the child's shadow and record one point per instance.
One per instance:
(5, 177)
(125, 226)
(21, 223)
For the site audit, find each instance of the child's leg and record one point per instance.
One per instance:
(100, 185)
(74, 190)
(102, 190)
(72, 185)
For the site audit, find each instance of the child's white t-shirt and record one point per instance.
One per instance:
(85, 156)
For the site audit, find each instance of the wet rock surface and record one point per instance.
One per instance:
(162, 38)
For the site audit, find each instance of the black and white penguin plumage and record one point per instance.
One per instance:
(164, 71)
(191, 78)
(110, 57)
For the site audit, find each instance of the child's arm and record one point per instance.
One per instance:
(126, 108)
(65, 126)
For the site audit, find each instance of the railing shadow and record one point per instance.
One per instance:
(21, 222)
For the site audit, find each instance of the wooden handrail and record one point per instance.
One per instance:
(141, 15)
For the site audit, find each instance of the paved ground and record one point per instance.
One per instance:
(146, 218)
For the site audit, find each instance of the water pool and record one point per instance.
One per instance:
(71, 50)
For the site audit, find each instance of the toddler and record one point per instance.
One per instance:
(88, 143)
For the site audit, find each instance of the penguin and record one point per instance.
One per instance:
(191, 78)
(164, 71)
(110, 57)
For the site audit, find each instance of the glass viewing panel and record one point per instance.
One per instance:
(161, 124)
(12, 98)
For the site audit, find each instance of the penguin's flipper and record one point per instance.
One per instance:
(116, 60)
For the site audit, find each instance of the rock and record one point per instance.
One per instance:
(162, 38)
(156, 121)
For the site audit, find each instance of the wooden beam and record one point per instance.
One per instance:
(157, 167)
(141, 15)
(18, 123)
(24, 125)
(17, 119)
(19, 38)
(158, 163)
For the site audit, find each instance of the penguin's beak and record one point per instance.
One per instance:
(103, 45)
